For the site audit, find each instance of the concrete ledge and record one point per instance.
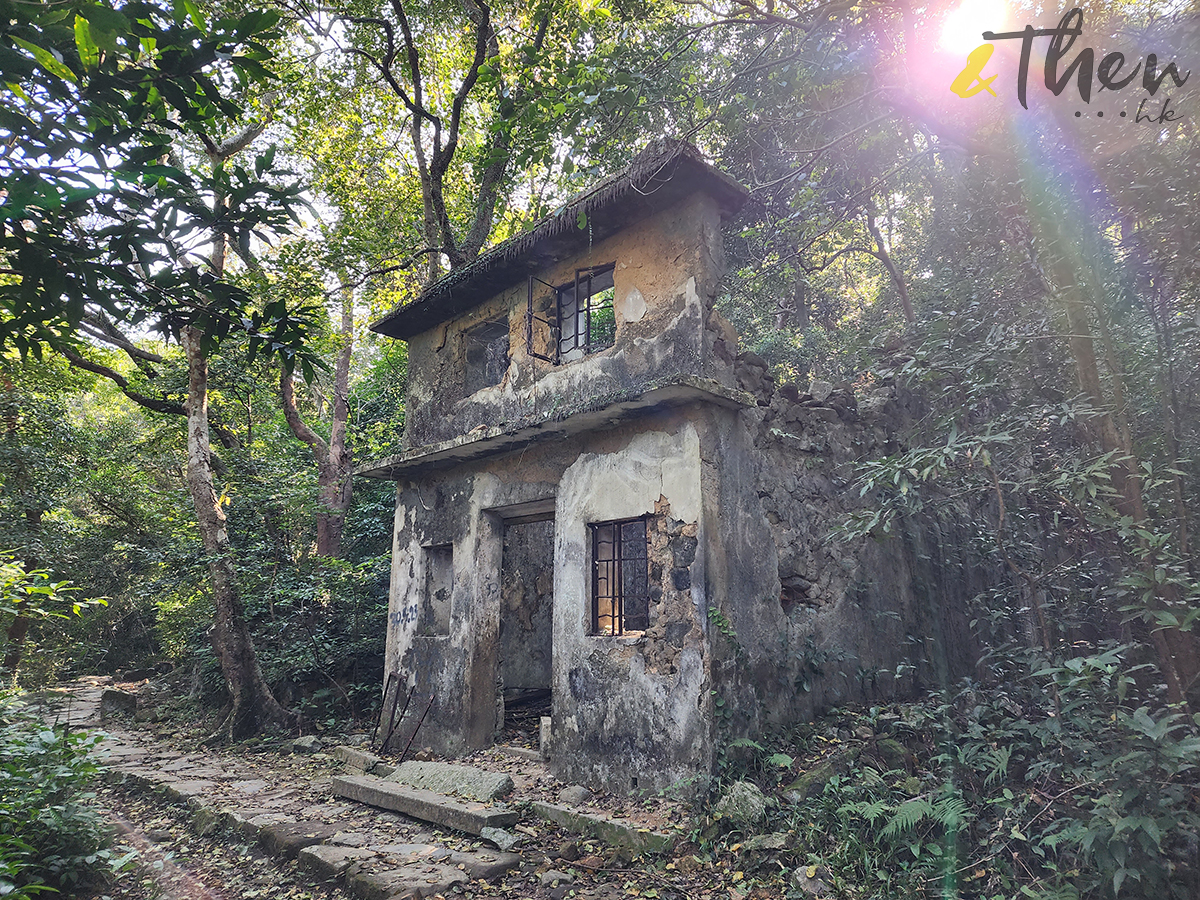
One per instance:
(639, 840)
(287, 839)
(358, 760)
(328, 862)
(405, 883)
(424, 805)
(467, 782)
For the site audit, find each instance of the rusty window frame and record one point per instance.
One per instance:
(620, 595)
(591, 305)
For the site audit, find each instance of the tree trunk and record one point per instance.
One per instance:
(334, 488)
(888, 263)
(1178, 652)
(252, 706)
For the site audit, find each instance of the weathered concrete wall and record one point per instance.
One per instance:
(633, 712)
(813, 620)
(666, 277)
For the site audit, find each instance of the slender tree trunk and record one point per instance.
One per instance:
(890, 265)
(1178, 653)
(333, 459)
(252, 706)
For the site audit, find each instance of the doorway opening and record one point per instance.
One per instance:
(526, 628)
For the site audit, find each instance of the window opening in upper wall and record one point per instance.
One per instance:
(582, 318)
(485, 347)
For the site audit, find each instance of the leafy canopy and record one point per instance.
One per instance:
(98, 211)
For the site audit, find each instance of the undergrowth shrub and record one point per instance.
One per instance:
(50, 839)
(1058, 779)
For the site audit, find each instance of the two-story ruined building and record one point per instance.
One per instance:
(585, 508)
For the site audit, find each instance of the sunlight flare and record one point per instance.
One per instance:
(964, 25)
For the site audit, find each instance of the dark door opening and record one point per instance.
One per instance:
(526, 619)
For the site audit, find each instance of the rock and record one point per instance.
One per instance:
(743, 804)
(789, 391)
(358, 740)
(146, 714)
(575, 795)
(207, 820)
(764, 842)
(753, 359)
(464, 781)
(569, 851)
(289, 838)
(499, 838)
(892, 752)
(820, 390)
(864, 732)
(308, 745)
(328, 862)
(356, 760)
(811, 880)
(688, 864)
(117, 703)
(823, 413)
(158, 835)
(553, 878)
(813, 782)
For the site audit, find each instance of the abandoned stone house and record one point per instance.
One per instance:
(603, 509)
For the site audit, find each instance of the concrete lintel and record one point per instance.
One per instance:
(683, 389)
(421, 804)
(618, 834)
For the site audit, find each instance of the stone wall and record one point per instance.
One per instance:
(820, 619)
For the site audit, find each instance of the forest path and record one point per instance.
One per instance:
(248, 822)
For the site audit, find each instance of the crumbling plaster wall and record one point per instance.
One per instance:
(668, 269)
(813, 620)
(633, 712)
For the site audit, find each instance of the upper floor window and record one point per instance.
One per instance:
(587, 320)
(582, 319)
(485, 348)
(620, 577)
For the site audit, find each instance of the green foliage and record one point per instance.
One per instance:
(99, 210)
(50, 839)
(33, 595)
(1052, 779)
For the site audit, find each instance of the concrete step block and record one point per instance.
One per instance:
(428, 806)
(618, 834)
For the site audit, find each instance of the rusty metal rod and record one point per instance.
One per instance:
(391, 679)
(420, 721)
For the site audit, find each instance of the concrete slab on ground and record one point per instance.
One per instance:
(619, 834)
(445, 778)
(425, 805)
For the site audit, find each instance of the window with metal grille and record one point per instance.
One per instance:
(583, 318)
(620, 577)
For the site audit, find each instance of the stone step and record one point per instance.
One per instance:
(618, 834)
(445, 778)
(428, 806)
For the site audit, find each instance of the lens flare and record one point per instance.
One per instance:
(962, 30)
